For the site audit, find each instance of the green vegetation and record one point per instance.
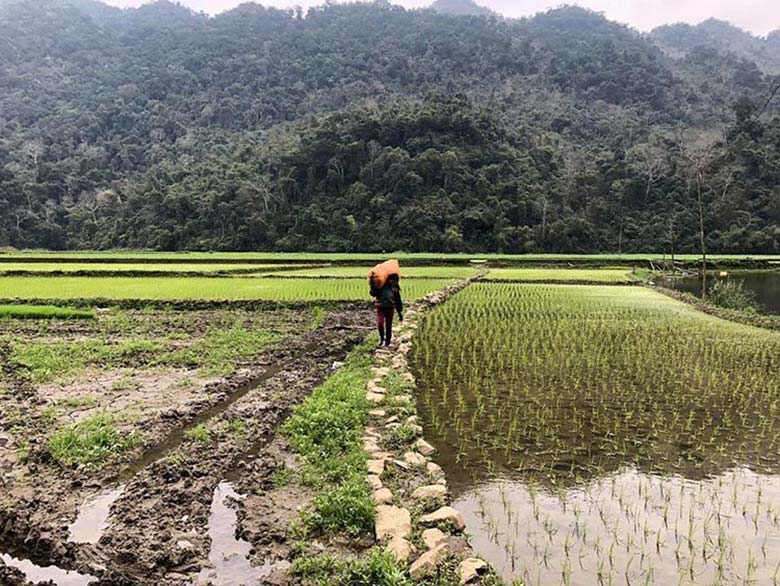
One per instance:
(377, 568)
(431, 272)
(199, 434)
(43, 312)
(559, 132)
(49, 360)
(616, 275)
(90, 441)
(136, 267)
(326, 431)
(218, 353)
(207, 289)
(733, 295)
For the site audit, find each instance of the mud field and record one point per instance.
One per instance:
(189, 457)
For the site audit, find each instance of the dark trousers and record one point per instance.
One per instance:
(384, 323)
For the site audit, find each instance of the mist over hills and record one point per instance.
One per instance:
(371, 127)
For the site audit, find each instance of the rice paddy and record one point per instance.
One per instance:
(433, 272)
(147, 267)
(606, 435)
(201, 288)
(606, 275)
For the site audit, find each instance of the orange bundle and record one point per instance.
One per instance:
(378, 276)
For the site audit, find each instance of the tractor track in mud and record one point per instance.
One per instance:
(158, 530)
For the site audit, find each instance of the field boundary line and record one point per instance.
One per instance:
(414, 521)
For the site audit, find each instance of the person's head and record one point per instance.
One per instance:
(392, 279)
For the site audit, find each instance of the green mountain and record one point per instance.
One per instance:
(370, 127)
(461, 8)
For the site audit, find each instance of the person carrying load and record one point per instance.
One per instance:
(386, 291)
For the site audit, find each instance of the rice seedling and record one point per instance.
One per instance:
(609, 434)
(604, 275)
(196, 288)
(43, 312)
(360, 272)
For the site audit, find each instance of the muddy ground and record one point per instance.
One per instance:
(158, 530)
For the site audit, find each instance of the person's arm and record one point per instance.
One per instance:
(399, 303)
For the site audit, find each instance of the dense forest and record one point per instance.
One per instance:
(369, 127)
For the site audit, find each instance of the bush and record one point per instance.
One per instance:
(733, 295)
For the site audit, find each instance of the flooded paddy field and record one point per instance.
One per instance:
(605, 435)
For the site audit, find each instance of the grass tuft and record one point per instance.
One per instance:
(43, 312)
(90, 441)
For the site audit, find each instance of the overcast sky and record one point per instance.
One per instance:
(757, 16)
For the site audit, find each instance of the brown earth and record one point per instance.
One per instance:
(158, 532)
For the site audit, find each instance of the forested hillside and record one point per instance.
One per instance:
(370, 127)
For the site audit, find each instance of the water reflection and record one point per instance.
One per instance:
(765, 285)
(630, 528)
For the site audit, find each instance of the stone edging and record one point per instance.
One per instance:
(413, 518)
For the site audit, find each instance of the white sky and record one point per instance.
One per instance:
(757, 16)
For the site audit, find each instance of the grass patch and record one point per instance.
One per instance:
(49, 360)
(91, 441)
(326, 431)
(199, 434)
(378, 568)
(43, 312)
(218, 353)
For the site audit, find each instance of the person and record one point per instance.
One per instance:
(387, 299)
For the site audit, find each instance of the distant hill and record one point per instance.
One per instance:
(461, 8)
(365, 125)
(682, 38)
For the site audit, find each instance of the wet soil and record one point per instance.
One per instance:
(158, 527)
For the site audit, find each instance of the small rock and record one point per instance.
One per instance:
(374, 397)
(408, 376)
(411, 420)
(393, 425)
(371, 447)
(336, 365)
(377, 413)
(434, 491)
(392, 419)
(470, 569)
(435, 470)
(374, 481)
(392, 522)
(382, 496)
(442, 515)
(424, 447)
(184, 544)
(427, 563)
(433, 537)
(400, 548)
(376, 467)
(414, 459)
(403, 398)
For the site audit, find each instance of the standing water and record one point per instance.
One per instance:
(765, 285)
(229, 556)
(605, 435)
(92, 519)
(37, 574)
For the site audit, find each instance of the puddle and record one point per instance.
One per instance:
(229, 556)
(92, 519)
(36, 574)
